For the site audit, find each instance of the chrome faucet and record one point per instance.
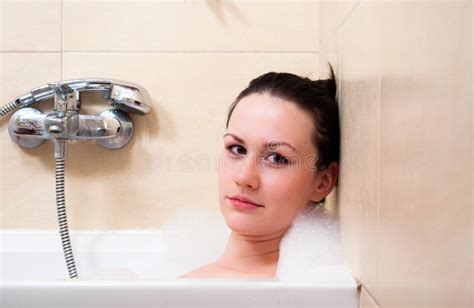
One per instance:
(112, 128)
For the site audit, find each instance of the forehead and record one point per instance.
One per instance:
(262, 117)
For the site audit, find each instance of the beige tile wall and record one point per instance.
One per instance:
(193, 57)
(366, 300)
(30, 25)
(405, 195)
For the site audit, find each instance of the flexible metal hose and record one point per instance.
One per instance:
(63, 228)
(7, 108)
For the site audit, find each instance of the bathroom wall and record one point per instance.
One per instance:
(404, 72)
(194, 57)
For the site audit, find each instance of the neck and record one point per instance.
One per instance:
(252, 254)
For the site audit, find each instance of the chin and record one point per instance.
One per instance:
(239, 222)
(242, 224)
(235, 222)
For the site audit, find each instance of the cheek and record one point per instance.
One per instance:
(288, 193)
(224, 172)
(225, 175)
(290, 185)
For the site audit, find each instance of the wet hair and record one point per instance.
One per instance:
(316, 97)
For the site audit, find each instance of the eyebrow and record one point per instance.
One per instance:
(267, 144)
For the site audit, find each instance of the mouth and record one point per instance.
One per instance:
(244, 202)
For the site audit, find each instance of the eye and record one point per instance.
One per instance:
(239, 150)
(278, 159)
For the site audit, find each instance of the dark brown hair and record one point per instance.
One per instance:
(316, 97)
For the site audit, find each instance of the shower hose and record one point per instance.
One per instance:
(7, 108)
(62, 218)
(60, 204)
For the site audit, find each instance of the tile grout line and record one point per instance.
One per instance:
(339, 57)
(192, 51)
(372, 298)
(319, 38)
(29, 51)
(61, 38)
(348, 15)
(379, 112)
(163, 52)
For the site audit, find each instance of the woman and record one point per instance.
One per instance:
(281, 154)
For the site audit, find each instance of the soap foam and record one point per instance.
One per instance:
(193, 237)
(311, 250)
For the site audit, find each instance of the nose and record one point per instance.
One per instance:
(248, 174)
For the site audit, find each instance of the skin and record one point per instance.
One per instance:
(255, 163)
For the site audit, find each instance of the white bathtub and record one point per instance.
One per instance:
(134, 269)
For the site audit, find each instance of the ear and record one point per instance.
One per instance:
(326, 181)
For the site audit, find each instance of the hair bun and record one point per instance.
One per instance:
(328, 84)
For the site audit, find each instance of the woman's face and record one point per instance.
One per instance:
(269, 158)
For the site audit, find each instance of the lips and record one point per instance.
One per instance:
(244, 201)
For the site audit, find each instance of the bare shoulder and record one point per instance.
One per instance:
(213, 270)
(206, 271)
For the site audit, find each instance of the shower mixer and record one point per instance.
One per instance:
(111, 128)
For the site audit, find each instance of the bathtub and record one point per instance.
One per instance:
(134, 269)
